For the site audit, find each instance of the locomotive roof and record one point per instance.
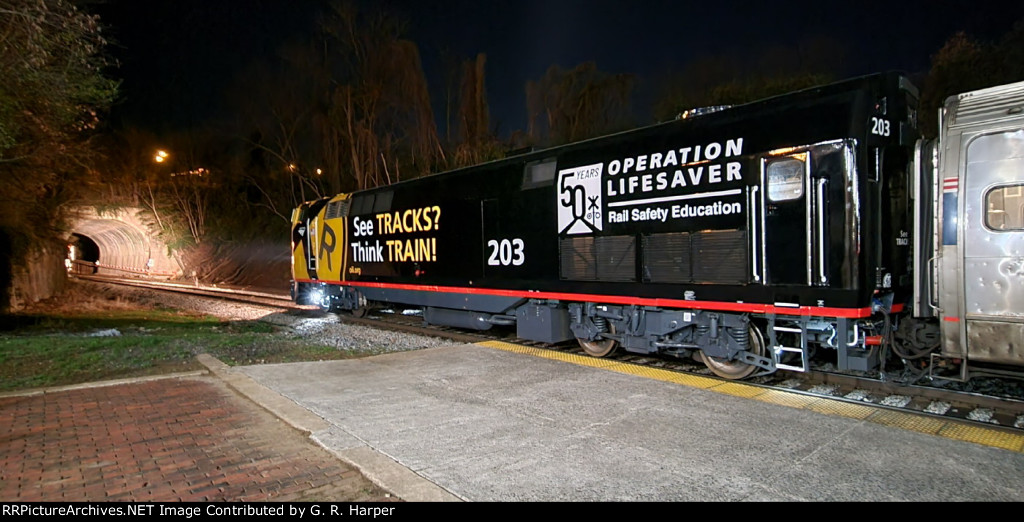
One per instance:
(866, 82)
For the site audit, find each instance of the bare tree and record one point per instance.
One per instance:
(346, 109)
(477, 141)
(190, 194)
(380, 107)
(580, 103)
(282, 110)
(733, 76)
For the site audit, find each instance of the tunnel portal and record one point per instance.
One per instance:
(117, 243)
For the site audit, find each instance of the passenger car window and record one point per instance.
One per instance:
(1004, 208)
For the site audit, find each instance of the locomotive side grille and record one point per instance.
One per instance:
(337, 209)
(577, 258)
(710, 256)
(610, 258)
(667, 258)
(720, 256)
(616, 258)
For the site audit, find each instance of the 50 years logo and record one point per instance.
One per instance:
(579, 200)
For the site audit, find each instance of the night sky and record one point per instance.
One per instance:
(178, 57)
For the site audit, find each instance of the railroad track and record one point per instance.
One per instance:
(241, 295)
(1002, 407)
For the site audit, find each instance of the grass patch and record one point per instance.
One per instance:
(68, 347)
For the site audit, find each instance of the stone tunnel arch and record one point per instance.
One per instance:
(118, 243)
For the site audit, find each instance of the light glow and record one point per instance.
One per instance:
(316, 295)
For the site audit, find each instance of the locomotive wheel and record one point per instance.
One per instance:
(599, 348)
(736, 370)
(360, 312)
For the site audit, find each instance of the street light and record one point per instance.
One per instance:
(161, 156)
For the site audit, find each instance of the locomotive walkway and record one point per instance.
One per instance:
(490, 422)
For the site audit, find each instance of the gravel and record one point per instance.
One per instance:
(329, 330)
(859, 395)
(938, 407)
(898, 401)
(825, 389)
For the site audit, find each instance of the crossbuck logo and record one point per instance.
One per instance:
(579, 200)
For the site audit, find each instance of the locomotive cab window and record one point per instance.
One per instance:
(1004, 208)
(382, 201)
(362, 204)
(372, 203)
(786, 178)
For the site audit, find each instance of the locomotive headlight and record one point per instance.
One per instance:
(785, 179)
(316, 295)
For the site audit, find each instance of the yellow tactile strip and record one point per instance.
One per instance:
(948, 428)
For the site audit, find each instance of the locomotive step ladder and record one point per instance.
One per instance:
(779, 350)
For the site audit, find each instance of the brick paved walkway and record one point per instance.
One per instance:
(188, 439)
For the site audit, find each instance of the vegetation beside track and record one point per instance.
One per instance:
(87, 337)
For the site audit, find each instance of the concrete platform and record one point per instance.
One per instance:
(507, 423)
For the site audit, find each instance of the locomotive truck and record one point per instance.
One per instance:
(755, 238)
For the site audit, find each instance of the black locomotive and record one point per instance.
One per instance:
(749, 236)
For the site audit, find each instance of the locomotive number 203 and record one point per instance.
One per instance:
(879, 126)
(506, 252)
